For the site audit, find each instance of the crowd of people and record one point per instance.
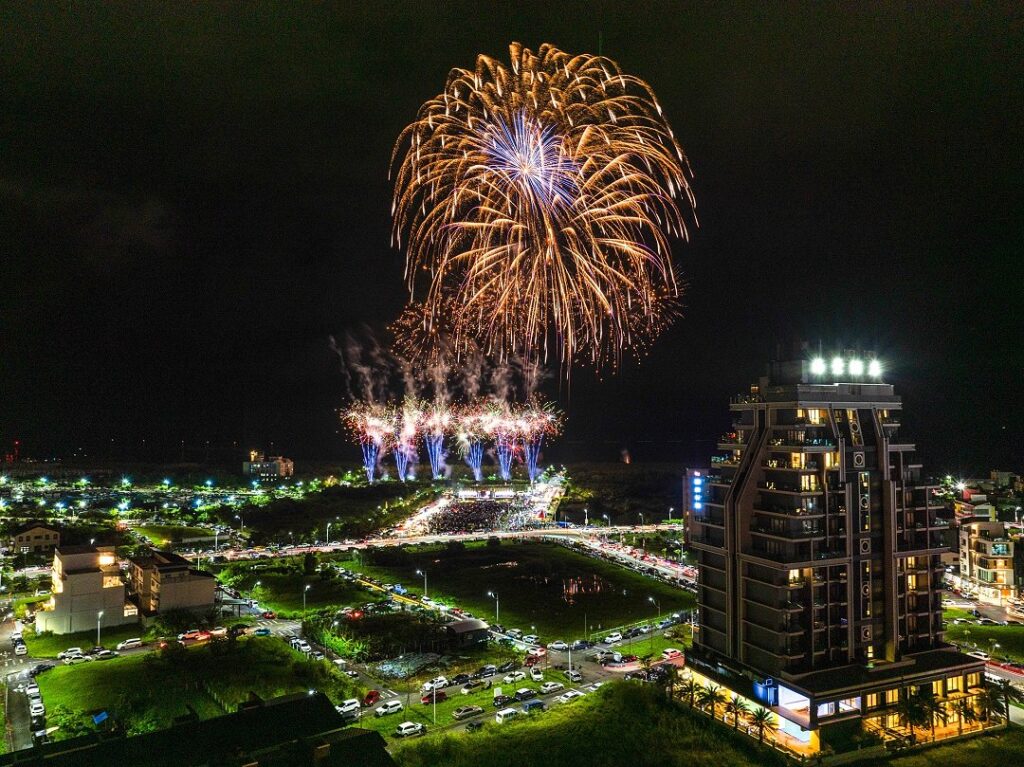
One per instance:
(482, 515)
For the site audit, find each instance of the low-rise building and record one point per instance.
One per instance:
(267, 469)
(986, 561)
(87, 591)
(161, 581)
(33, 538)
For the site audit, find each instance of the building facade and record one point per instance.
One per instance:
(87, 590)
(163, 581)
(34, 539)
(987, 562)
(266, 469)
(818, 553)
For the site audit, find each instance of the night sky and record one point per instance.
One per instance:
(193, 197)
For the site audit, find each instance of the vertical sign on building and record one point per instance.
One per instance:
(694, 492)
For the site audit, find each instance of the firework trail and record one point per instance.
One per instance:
(436, 420)
(372, 425)
(537, 198)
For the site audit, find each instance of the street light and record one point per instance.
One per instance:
(308, 586)
(424, 574)
(328, 533)
(241, 521)
(670, 510)
(99, 617)
(497, 614)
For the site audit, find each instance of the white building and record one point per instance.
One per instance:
(268, 469)
(986, 562)
(87, 590)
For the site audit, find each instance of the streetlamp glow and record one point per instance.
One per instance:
(818, 366)
(424, 574)
(497, 606)
(875, 369)
(308, 586)
(856, 367)
(99, 618)
(838, 365)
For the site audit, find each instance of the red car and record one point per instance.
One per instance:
(531, 661)
(429, 697)
(371, 697)
(269, 615)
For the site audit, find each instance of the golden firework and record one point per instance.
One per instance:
(538, 199)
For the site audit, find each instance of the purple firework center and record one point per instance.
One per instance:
(475, 459)
(531, 454)
(506, 449)
(371, 450)
(435, 451)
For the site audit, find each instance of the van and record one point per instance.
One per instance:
(505, 714)
(129, 644)
(532, 705)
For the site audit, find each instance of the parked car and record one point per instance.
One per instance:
(531, 639)
(317, 655)
(581, 644)
(71, 660)
(506, 666)
(262, 631)
(980, 655)
(515, 676)
(464, 712)
(191, 634)
(268, 614)
(569, 696)
(612, 638)
(533, 705)
(536, 674)
(486, 671)
(459, 679)
(525, 693)
(531, 661)
(558, 644)
(352, 704)
(410, 729)
(474, 726)
(435, 696)
(537, 652)
(469, 687)
(388, 707)
(20, 649)
(32, 690)
(219, 631)
(129, 644)
(505, 714)
(106, 655)
(573, 675)
(549, 687)
(501, 700)
(371, 697)
(71, 651)
(36, 708)
(37, 670)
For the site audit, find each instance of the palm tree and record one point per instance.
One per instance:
(671, 677)
(911, 712)
(1009, 694)
(689, 690)
(711, 697)
(736, 706)
(645, 665)
(964, 711)
(989, 702)
(933, 709)
(762, 719)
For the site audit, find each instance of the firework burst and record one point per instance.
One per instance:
(537, 199)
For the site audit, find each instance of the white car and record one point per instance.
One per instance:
(980, 655)
(71, 660)
(32, 690)
(536, 674)
(20, 649)
(671, 653)
(531, 639)
(613, 638)
(408, 729)
(71, 651)
(36, 708)
(129, 644)
(549, 687)
(558, 644)
(569, 697)
(352, 704)
(303, 646)
(391, 707)
(515, 676)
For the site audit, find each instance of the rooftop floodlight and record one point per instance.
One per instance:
(875, 368)
(818, 366)
(856, 367)
(837, 366)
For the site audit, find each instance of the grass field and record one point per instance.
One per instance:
(147, 691)
(163, 535)
(282, 584)
(559, 592)
(1010, 639)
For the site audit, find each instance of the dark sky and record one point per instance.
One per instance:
(194, 196)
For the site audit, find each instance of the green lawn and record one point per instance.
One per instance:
(999, 748)
(48, 645)
(1010, 639)
(148, 690)
(282, 584)
(621, 724)
(163, 535)
(540, 585)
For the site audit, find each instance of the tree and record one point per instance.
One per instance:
(911, 712)
(689, 690)
(70, 723)
(988, 702)
(671, 678)
(763, 720)
(736, 706)
(711, 697)
(309, 563)
(933, 709)
(1009, 694)
(964, 710)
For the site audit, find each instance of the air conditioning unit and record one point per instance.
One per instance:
(865, 545)
(858, 460)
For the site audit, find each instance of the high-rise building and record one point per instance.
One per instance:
(818, 552)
